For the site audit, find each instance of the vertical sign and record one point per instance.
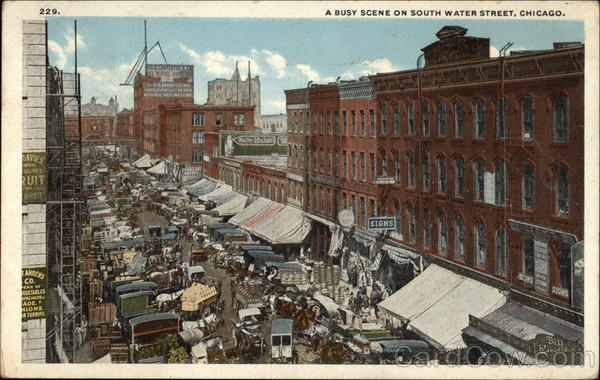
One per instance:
(489, 188)
(33, 292)
(540, 249)
(34, 177)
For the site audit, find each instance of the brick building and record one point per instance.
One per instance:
(126, 125)
(479, 159)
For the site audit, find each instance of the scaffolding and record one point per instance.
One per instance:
(65, 208)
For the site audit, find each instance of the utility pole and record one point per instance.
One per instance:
(145, 50)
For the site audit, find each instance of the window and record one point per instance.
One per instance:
(528, 186)
(460, 238)
(384, 164)
(442, 234)
(426, 179)
(441, 175)
(219, 119)
(478, 179)
(307, 121)
(238, 119)
(353, 123)
(373, 166)
(399, 219)
(372, 120)
(441, 118)
(410, 118)
(323, 201)
(363, 212)
(459, 180)
(527, 115)
(480, 245)
(479, 120)
(500, 183)
(196, 137)
(276, 340)
(363, 124)
(363, 166)
(373, 208)
(336, 117)
(384, 120)
(459, 114)
(329, 163)
(398, 166)
(355, 204)
(197, 155)
(315, 130)
(564, 263)
(345, 164)
(345, 118)
(501, 250)
(411, 170)
(321, 163)
(321, 126)
(561, 118)
(396, 118)
(528, 257)
(197, 119)
(336, 164)
(425, 119)
(329, 123)
(412, 226)
(426, 230)
(501, 110)
(354, 166)
(562, 193)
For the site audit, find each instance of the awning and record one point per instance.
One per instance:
(244, 313)
(143, 162)
(160, 168)
(287, 226)
(223, 198)
(437, 304)
(233, 206)
(194, 270)
(203, 188)
(256, 207)
(514, 324)
(220, 190)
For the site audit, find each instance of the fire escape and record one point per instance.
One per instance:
(64, 214)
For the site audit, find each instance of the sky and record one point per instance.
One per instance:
(285, 53)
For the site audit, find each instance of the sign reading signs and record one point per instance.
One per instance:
(33, 292)
(382, 223)
(346, 217)
(34, 177)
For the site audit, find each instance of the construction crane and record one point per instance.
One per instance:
(142, 59)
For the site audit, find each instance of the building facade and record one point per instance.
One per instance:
(276, 123)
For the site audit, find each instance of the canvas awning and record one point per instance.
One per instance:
(437, 304)
(220, 190)
(160, 168)
(233, 206)
(202, 188)
(143, 162)
(287, 226)
(223, 198)
(256, 207)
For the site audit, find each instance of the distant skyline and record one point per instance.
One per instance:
(285, 53)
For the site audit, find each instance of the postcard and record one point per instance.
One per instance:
(300, 189)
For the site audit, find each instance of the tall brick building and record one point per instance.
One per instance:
(479, 159)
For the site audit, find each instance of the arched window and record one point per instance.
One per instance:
(397, 166)
(384, 163)
(425, 109)
(459, 240)
(528, 186)
(561, 118)
(426, 178)
(442, 234)
(396, 118)
(459, 177)
(399, 220)
(478, 180)
(501, 251)
(384, 119)
(501, 179)
(479, 119)
(426, 229)
(501, 112)
(410, 118)
(480, 245)
(412, 225)
(562, 191)
(441, 174)
(411, 170)
(459, 119)
(527, 115)
(441, 118)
